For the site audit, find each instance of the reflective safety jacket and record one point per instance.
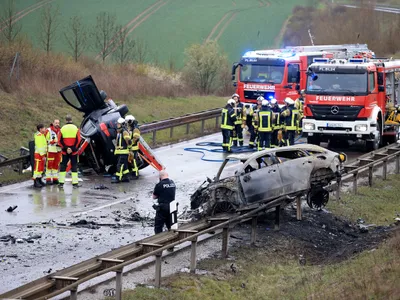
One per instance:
(69, 137)
(265, 119)
(290, 118)
(276, 112)
(123, 142)
(228, 117)
(248, 115)
(298, 104)
(135, 136)
(40, 143)
(256, 109)
(239, 113)
(52, 139)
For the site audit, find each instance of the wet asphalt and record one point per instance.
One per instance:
(115, 214)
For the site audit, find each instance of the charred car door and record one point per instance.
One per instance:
(260, 179)
(295, 170)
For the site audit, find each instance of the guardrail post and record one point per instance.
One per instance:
(337, 191)
(20, 167)
(187, 128)
(397, 163)
(171, 132)
(74, 294)
(118, 285)
(298, 208)
(253, 230)
(217, 122)
(193, 256)
(277, 215)
(355, 177)
(384, 170)
(154, 137)
(202, 126)
(225, 241)
(158, 270)
(370, 174)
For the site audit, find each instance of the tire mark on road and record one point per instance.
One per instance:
(27, 13)
(216, 27)
(21, 11)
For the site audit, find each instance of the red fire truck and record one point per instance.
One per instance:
(348, 99)
(281, 73)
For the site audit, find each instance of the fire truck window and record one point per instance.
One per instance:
(371, 82)
(292, 73)
(261, 73)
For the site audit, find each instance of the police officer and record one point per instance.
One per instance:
(264, 126)
(228, 118)
(277, 126)
(248, 117)
(134, 132)
(122, 152)
(290, 120)
(164, 192)
(238, 130)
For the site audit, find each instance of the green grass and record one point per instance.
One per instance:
(21, 123)
(377, 205)
(177, 24)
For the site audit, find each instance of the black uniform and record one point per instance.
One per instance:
(238, 130)
(228, 119)
(165, 193)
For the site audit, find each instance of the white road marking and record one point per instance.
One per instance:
(101, 207)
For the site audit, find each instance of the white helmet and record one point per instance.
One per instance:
(264, 102)
(231, 102)
(273, 101)
(289, 101)
(129, 119)
(261, 98)
(121, 121)
(235, 95)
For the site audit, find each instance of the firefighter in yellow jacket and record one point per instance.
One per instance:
(134, 148)
(39, 156)
(290, 117)
(122, 152)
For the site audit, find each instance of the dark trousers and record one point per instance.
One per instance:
(163, 216)
(64, 162)
(226, 139)
(252, 135)
(122, 167)
(264, 140)
(238, 135)
(274, 138)
(289, 137)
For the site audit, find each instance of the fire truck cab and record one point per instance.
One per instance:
(281, 73)
(350, 99)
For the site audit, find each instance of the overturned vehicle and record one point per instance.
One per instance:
(249, 178)
(99, 128)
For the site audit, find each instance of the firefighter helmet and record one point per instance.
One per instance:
(273, 101)
(103, 95)
(235, 95)
(231, 102)
(121, 121)
(264, 102)
(261, 98)
(289, 101)
(130, 119)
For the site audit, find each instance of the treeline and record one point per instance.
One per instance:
(132, 70)
(339, 25)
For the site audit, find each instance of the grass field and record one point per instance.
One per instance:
(172, 25)
(144, 109)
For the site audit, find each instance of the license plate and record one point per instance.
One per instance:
(334, 125)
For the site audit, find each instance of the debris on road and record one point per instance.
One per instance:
(12, 208)
(100, 187)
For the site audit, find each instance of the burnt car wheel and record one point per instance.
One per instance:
(317, 197)
(223, 207)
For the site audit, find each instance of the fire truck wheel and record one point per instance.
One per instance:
(375, 144)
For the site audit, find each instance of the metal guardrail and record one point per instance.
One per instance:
(152, 127)
(114, 261)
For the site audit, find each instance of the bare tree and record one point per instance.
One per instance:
(141, 52)
(76, 37)
(49, 26)
(105, 34)
(125, 46)
(8, 21)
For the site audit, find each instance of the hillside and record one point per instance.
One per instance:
(167, 27)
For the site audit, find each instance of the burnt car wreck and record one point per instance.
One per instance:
(245, 179)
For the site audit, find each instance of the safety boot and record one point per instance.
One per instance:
(75, 185)
(61, 185)
(41, 182)
(55, 181)
(36, 183)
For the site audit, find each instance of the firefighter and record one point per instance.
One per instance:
(164, 192)
(277, 126)
(238, 130)
(39, 156)
(122, 152)
(228, 118)
(290, 118)
(53, 153)
(69, 138)
(255, 117)
(264, 126)
(299, 104)
(248, 116)
(134, 148)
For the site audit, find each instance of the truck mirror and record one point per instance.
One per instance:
(381, 88)
(380, 78)
(298, 77)
(233, 77)
(297, 87)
